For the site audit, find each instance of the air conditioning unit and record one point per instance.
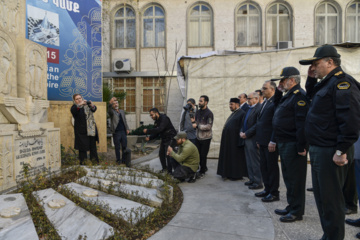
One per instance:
(284, 45)
(122, 65)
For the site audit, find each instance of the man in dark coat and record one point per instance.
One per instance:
(230, 165)
(243, 102)
(86, 134)
(165, 129)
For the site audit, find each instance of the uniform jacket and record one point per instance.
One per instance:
(188, 155)
(334, 114)
(204, 120)
(114, 116)
(289, 117)
(163, 128)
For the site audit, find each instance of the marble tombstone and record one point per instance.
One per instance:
(26, 137)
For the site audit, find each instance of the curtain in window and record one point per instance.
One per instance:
(119, 33)
(200, 26)
(125, 28)
(254, 31)
(271, 30)
(154, 27)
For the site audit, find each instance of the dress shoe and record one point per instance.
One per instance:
(255, 186)
(350, 211)
(261, 194)
(248, 183)
(281, 212)
(358, 235)
(353, 222)
(310, 189)
(290, 218)
(270, 198)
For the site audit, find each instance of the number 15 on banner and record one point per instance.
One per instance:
(53, 55)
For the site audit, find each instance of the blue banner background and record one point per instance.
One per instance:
(75, 32)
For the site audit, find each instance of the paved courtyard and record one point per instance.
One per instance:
(217, 209)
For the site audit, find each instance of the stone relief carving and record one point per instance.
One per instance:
(9, 15)
(54, 152)
(7, 65)
(36, 72)
(6, 160)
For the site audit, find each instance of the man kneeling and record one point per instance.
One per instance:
(186, 161)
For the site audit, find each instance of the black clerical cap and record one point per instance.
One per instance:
(321, 52)
(235, 100)
(286, 72)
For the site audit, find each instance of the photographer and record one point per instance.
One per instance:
(185, 123)
(119, 128)
(186, 161)
(86, 134)
(165, 129)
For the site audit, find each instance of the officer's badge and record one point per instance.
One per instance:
(343, 85)
(296, 91)
(301, 103)
(338, 73)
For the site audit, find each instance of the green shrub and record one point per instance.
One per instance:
(140, 130)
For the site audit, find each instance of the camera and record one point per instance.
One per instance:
(187, 107)
(192, 115)
(88, 102)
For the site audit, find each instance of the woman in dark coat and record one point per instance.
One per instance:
(86, 134)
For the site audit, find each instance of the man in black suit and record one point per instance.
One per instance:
(266, 143)
(247, 133)
(243, 104)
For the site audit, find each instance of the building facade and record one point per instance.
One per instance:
(151, 35)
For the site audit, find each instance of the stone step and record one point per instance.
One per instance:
(131, 211)
(17, 227)
(143, 192)
(134, 180)
(122, 171)
(70, 221)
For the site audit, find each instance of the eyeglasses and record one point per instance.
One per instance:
(264, 88)
(249, 98)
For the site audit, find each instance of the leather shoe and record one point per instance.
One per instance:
(281, 212)
(358, 235)
(248, 183)
(310, 189)
(353, 222)
(255, 186)
(290, 218)
(270, 198)
(261, 194)
(350, 211)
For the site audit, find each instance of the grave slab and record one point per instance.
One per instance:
(20, 227)
(71, 220)
(125, 171)
(143, 192)
(130, 211)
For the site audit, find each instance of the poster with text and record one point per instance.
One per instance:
(71, 31)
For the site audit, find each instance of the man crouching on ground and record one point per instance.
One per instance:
(186, 161)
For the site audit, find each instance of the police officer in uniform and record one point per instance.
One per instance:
(288, 125)
(332, 126)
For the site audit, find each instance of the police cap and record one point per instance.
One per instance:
(321, 52)
(286, 72)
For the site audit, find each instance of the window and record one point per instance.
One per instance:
(154, 27)
(153, 94)
(278, 24)
(248, 26)
(327, 24)
(200, 26)
(125, 28)
(353, 23)
(126, 85)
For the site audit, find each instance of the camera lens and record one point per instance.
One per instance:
(88, 102)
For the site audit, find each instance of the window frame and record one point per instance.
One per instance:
(154, 24)
(153, 88)
(290, 17)
(125, 31)
(357, 19)
(326, 15)
(125, 89)
(248, 23)
(189, 18)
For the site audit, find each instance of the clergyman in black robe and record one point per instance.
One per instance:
(232, 164)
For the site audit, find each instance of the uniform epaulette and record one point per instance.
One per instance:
(338, 74)
(296, 91)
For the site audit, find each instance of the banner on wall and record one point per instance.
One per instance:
(71, 31)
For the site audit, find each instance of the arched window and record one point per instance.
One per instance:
(353, 23)
(200, 25)
(154, 27)
(248, 26)
(125, 28)
(327, 27)
(278, 24)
